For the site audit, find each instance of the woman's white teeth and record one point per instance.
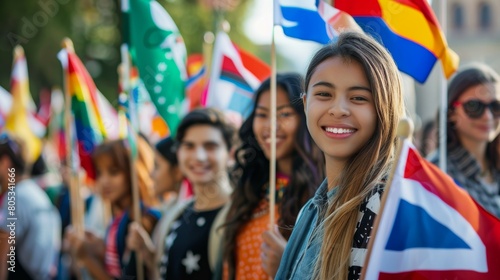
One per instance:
(339, 130)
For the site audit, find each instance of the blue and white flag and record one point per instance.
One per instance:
(300, 19)
(431, 229)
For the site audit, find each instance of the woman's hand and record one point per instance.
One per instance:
(75, 243)
(138, 238)
(272, 249)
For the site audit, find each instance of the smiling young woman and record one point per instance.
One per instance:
(250, 250)
(353, 103)
(473, 129)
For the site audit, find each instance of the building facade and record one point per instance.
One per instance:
(473, 32)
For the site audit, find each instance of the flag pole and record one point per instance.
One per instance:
(136, 208)
(272, 160)
(74, 184)
(404, 132)
(208, 45)
(444, 97)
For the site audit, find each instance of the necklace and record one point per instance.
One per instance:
(263, 207)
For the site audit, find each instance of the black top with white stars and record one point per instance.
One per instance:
(186, 246)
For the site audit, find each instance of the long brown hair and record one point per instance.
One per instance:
(470, 76)
(119, 153)
(251, 172)
(369, 165)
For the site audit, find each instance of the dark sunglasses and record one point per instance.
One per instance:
(6, 140)
(475, 108)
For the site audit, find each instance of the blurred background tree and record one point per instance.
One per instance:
(94, 26)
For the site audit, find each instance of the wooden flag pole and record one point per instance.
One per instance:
(74, 183)
(136, 207)
(443, 108)
(405, 131)
(208, 45)
(272, 160)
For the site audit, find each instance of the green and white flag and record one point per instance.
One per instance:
(159, 53)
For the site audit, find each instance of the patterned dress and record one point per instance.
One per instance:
(249, 238)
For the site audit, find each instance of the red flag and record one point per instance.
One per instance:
(432, 229)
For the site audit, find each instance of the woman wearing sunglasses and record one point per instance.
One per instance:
(473, 127)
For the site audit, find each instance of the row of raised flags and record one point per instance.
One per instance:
(159, 53)
(408, 29)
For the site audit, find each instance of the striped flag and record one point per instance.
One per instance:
(336, 18)
(197, 80)
(17, 121)
(300, 19)
(408, 29)
(430, 228)
(85, 104)
(234, 77)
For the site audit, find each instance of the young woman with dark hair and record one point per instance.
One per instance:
(299, 165)
(473, 129)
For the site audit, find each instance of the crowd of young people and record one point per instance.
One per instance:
(335, 145)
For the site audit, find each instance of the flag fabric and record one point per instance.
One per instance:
(17, 121)
(432, 229)
(75, 155)
(43, 114)
(336, 18)
(109, 116)
(408, 29)
(234, 77)
(5, 105)
(151, 122)
(127, 131)
(300, 19)
(56, 135)
(35, 124)
(159, 52)
(197, 80)
(89, 124)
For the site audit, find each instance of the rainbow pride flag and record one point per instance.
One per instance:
(90, 130)
(408, 29)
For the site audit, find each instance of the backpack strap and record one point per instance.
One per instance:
(163, 227)
(215, 237)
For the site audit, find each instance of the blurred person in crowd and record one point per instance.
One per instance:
(188, 243)
(299, 165)
(110, 258)
(168, 180)
(30, 227)
(429, 138)
(473, 128)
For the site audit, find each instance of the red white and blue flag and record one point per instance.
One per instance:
(234, 77)
(432, 229)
